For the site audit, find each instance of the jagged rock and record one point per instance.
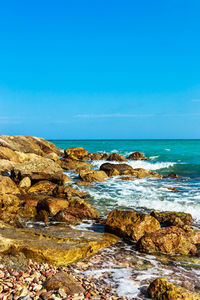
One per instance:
(127, 178)
(92, 175)
(161, 289)
(137, 156)
(25, 183)
(53, 246)
(26, 212)
(42, 216)
(69, 192)
(6, 165)
(116, 157)
(65, 282)
(69, 164)
(77, 153)
(116, 169)
(38, 169)
(97, 156)
(64, 216)
(142, 173)
(9, 200)
(130, 224)
(84, 183)
(43, 187)
(66, 179)
(52, 205)
(168, 218)
(7, 186)
(171, 240)
(9, 154)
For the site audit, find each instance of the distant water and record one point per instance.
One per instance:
(179, 156)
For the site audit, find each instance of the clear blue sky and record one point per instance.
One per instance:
(100, 69)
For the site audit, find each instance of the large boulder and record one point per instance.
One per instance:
(137, 156)
(131, 224)
(77, 153)
(116, 169)
(171, 240)
(97, 156)
(69, 164)
(43, 187)
(168, 218)
(53, 246)
(92, 175)
(161, 289)
(116, 157)
(9, 154)
(38, 169)
(52, 205)
(7, 186)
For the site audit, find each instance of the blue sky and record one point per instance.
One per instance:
(100, 69)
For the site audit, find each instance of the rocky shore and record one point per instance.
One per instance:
(43, 254)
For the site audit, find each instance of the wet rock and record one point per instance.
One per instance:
(131, 224)
(57, 247)
(127, 178)
(52, 205)
(97, 156)
(137, 156)
(116, 169)
(38, 169)
(43, 187)
(171, 240)
(69, 192)
(91, 175)
(65, 282)
(7, 186)
(42, 216)
(76, 153)
(168, 218)
(116, 157)
(25, 183)
(84, 183)
(161, 289)
(66, 179)
(64, 216)
(172, 175)
(142, 173)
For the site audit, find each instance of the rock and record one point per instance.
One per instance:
(131, 224)
(116, 157)
(43, 187)
(69, 164)
(42, 216)
(161, 289)
(69, 192)
(9, 154)
(39, 169)
(168, 218)
(172, 175)
(142, 173)
(9, 200)
(66, 179)
(97, 156)
(194, 235)
(170, 188)
(127, 178)
(52, 205)
(64, 216)
(26, 212)
(116, 169)
(64, 281)
(7, 186)
(137, 156)
(77, 153)
(171, 240)
(91, 175)
(53, 246)
(6, 165)
(84, 183)
(25, 183)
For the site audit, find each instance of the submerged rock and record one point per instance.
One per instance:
(171, 240)
(58, 246)
(116, 157)
(76, 153)
(169, 218)
(130, 224)
(161, 289)
(137, 156)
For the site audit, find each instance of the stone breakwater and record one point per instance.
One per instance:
(34, 189)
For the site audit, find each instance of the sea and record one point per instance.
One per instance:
(126, 272)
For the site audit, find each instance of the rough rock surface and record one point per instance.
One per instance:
(116, 157)
(43, 187)
(25, 183)
(38, 169)
(52, 205)
(58, 247)
(168, 218)
(76, 153)
(137, 156)
(161, 289)
(69, 164)
(97, 156)
(92, 175)
(7, 186)
(63, 281)
(131, 224)
(171, 240)
(116, 169)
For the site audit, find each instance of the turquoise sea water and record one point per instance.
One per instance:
(179, 156)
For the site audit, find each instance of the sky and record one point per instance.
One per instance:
(104, 69)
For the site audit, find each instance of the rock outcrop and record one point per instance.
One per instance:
(137, 156)
(171, 240)
(92, 175)
(76, 153)
(130, 224)
(168, 218)
(161, 289)
(116, 157)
